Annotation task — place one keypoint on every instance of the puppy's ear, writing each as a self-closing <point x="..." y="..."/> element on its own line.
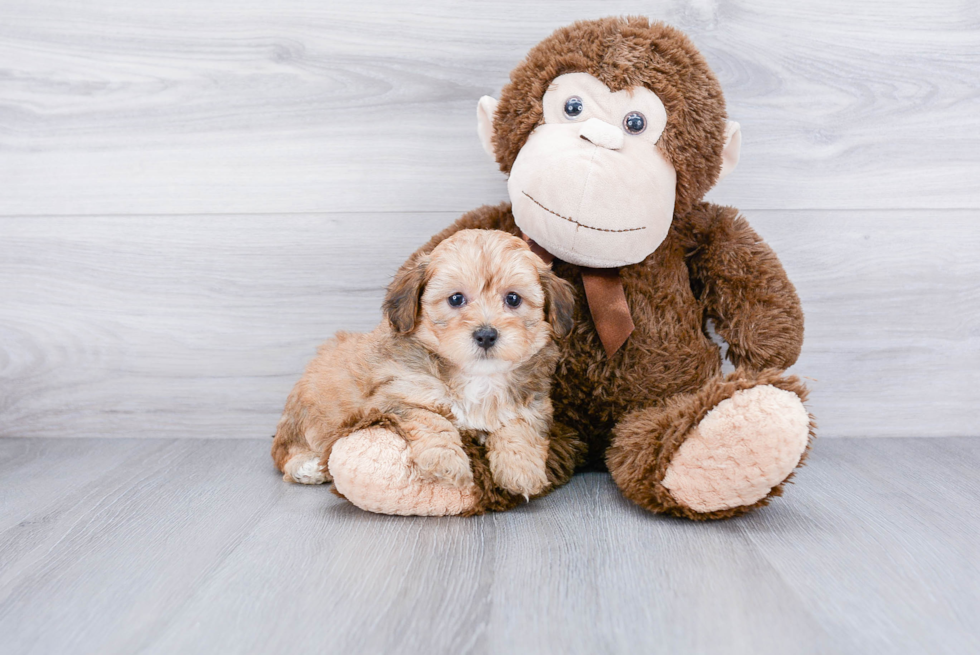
<point x="559" y="302"/>
<point x="403" y="302"/>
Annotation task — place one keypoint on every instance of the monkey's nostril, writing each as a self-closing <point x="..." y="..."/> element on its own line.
<point x="485" y="337"/>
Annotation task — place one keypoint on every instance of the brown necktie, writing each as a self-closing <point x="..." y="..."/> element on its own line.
<point x="607" y="301"/>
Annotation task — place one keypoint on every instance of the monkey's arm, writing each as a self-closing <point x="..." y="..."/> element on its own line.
<point x="745" y="289"/>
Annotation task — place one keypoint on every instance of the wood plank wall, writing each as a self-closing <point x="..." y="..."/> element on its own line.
<point x="194" y="193"/>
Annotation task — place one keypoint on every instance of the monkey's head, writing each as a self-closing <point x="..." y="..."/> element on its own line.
<point x="607" y="129"/>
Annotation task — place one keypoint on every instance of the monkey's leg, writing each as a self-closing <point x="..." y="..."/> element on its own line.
<point x="372" y="468"/>
<point x="715" y="453"/>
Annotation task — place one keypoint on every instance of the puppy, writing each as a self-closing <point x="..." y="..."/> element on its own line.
<point x="467" y="345"/>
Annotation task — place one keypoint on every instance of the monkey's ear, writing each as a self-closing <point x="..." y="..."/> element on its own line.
<point x="733" y="146"/>
<point x="559" y="302"/>
<point x="484" y="123"/>
<point x="403" y="302"/>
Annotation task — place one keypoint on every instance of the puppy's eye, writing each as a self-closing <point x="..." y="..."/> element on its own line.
<point x="513" y="300"/>
<point x="456" y="300"/>
<point x="574" y="107"/>
<point x="635" y="122"/>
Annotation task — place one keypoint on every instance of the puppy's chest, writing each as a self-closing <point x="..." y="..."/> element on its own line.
<point x="482" y="402"/>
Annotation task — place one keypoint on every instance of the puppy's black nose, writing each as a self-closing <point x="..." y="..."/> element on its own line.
<point x="485" y="337"/>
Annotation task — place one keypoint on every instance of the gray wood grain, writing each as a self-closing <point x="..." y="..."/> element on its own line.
<point x="912" y="503"/>
<point x="198" y="546"/>
<point x="199" y="326"/>
<point x="310" y="106"/>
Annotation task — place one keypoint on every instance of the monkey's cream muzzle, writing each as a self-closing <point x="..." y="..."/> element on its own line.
<point x="588" y="204"/>
<point x="587" y="190"/>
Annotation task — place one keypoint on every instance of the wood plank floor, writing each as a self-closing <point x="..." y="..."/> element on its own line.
<point x="196" y="545"/>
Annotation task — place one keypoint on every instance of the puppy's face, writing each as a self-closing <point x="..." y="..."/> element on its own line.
<point x="482" y="300"/>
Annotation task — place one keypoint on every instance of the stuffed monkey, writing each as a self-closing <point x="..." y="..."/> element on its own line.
<point x="611" y="132"/>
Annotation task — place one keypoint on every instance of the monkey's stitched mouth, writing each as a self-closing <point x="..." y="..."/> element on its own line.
<point x="572" y="220"/>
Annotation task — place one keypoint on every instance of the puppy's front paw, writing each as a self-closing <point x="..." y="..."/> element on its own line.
<point x="447" y="465"/>
<point x="521" y="472"/>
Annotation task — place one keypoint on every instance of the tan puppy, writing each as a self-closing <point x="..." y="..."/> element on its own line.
<point x="467" y="345"/>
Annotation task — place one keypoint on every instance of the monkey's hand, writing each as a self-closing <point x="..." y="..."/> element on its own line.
<point x="744" y="287"/>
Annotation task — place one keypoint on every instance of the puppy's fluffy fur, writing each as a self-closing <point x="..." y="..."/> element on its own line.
<point x="423" y="374"/>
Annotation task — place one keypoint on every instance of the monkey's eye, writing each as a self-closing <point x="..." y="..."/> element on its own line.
<point x="574" y="107"/>
<point x="513" y="300"/>
<point x="456" y="300"/>
<point x="635" y="122"/>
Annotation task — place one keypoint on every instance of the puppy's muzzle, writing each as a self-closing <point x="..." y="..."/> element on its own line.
<point x="485" y="337"/>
